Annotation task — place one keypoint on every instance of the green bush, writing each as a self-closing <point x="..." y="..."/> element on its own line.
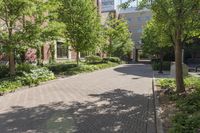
<point x="9" y="85"/>
<point x="166" y="65"/>
<point x="25" y="67"/>
<point x="187" y="120"/>
<point x="192" y="83"/>
<point x="59" y="68"/>
<point x="167" y="83"/>
<point x="88" y="68"/>
<point x="4" y="71"/>
<point x="112" y="59"/>
<point x="36" y="76"/>
<point x="93" y="59"/>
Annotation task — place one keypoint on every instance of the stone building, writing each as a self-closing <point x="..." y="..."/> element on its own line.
<point x="136" y="20"/>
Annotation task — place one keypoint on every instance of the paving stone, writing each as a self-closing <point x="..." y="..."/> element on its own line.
<point x="116" y="100"/>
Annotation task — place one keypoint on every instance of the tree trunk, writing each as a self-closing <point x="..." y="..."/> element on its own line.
<point x="12" y="62"/>
<point x="23" y="56"/>
<point x="11" y="55"/>
<point x="179" y="68"/>
<point x="77" y="58"/>
<point x="161" y="62"/>
<point x="110" y="47"/>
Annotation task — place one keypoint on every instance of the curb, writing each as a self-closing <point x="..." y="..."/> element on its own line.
<point x="158" y="121"/>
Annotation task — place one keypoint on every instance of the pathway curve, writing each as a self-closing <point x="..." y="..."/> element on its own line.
<point x="116" y="100"/>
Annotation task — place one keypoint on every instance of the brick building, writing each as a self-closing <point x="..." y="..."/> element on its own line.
<point x="62" y="52"/>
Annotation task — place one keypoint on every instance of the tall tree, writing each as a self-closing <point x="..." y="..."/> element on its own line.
<point x="23" y="24"/>
<point x="182" y="18"/>
<point x="82" y="24"/>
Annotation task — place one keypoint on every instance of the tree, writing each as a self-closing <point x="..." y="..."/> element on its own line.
<point x="23" y="25"/>
<point x="82" y="24"/>
<point x="181" y="17"/>
<point x="120" y="42"/>
<point x="155" y="41"/>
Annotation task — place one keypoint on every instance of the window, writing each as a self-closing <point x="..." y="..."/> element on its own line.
<point x="62" y="50"/>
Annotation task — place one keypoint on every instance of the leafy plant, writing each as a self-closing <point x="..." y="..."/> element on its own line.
<point x="112" y="59"/>
<point x="4" y="71"/>
<point x="93" y="59"/>
<point x="166" y="65"/>
<point x="187" y="120"/>
<point x="36" y="76"/>
<point x="9" y="85"/>
<point x="25" y="67"/>
<point x="167" y="83"/>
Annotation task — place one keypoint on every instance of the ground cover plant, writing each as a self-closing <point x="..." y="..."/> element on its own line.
<point x="26" y="75"/>
<point x="30" y="75"/>
<point x="186" y="118"/>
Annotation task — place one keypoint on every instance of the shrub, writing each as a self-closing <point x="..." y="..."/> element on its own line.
<point x="192" y="83"/>
<point x="4" y="71"/>
<point x="25" y="67"/>
<point x="93" y="59"/>
<point x="156" y="65"/>
<point x="9" y="85"/>
<point x="88" y="68"/>
<point x="167" y="83"/>
<point x="112" y="59"/>
<point x="187" y="120"/>
<point x="59" y="68"/>
<point x="36" y="76"/>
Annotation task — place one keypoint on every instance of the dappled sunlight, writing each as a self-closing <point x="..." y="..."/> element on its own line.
<point x="113" y="111"/>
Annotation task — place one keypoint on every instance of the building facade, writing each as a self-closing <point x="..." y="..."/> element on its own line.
<point x="62" y="52"/>
<point x="136" y="19"/>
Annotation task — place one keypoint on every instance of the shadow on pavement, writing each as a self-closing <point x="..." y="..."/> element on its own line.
<point x="143" y="70"/>
<point x="115" y="111"/>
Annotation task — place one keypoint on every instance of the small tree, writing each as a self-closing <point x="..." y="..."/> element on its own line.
<point x="120" y="42"/>
<point x="82" y="24"/>
<point x="155" y="41"/>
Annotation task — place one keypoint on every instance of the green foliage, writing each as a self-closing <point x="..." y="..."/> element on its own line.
<point x="93" y="59"/>
<point x="155" y="39"/>
<point x="88" y="68"/>
<point x="59" y="68"/>
<point x="4" y="71"/>
<point x="82" y="24"/>
<point x="192" y="83"/>
<point x="27" y="75"/>
<point x="36" y="76"/>
<point x="25" y="67"/>
<point x="166" y="65"/>
<point x="72" y="69"/>
<point x="9" y="85"/>
<point x="166" y="83"/>
<point x="187" y="120"/>
<point x="112" y="59"/>
<point x="120" y="43"/>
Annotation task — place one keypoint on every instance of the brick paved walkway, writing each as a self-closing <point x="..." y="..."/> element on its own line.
<point x="116" y="100"/>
